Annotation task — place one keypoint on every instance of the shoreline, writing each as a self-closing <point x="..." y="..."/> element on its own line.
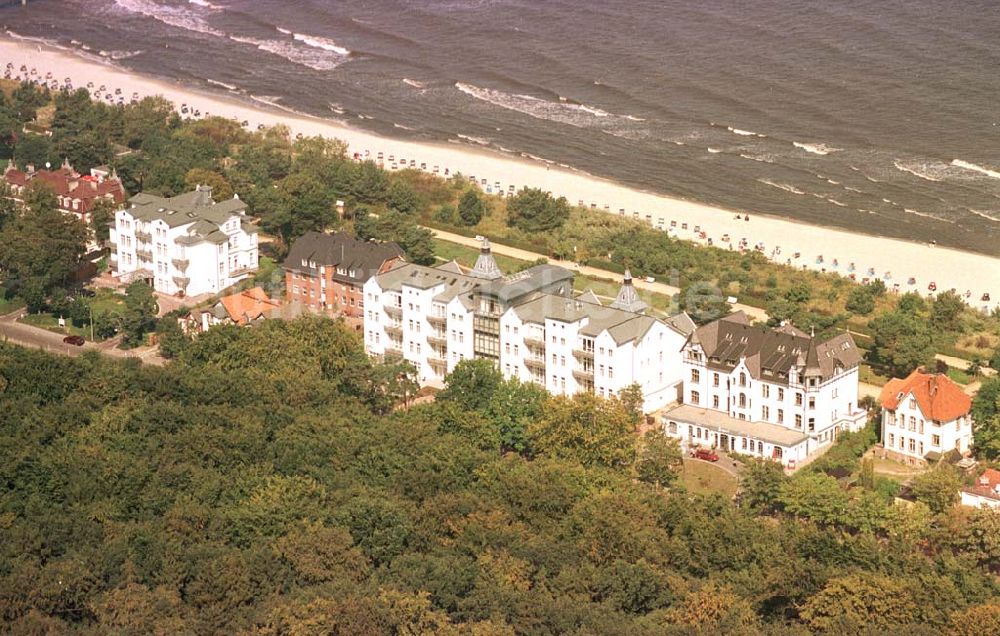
<point x="497" y="172"/>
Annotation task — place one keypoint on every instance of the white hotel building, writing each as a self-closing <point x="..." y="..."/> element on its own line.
<point x="530" y="324"/>
<point x="185" y="244"/>
<point x="774" y="393"/>
<point x="924" y="418"/>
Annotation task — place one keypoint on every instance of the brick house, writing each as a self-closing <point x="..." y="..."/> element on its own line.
<point x="327" y="272"/>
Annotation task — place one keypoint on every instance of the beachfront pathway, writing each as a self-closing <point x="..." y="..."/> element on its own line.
<point x="524" y="255"/>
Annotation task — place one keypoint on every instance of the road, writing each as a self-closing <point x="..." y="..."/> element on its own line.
<point x="35" y="337"/>
<point x="593" y="272"/>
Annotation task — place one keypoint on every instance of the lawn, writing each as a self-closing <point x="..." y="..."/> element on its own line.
<point x="51" y="323"/>
<point x="959" y="376"/>
<point x="104" y="301"/>
<point x="869" y="376"/>
<point x="466" y="256"/>
<point x="706" y="478"/>
<point x="7" y="305"/>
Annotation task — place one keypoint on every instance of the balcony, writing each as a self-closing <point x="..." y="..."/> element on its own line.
<point x="535" y="363"/>
<point x="143" y="237"/>
<point x="394" y="349"/>
<point x="438" y="339"/>
<point x="536" y="343"/>
<point x="395" y="311"/>
<point x="144" y="255"/>
<point x="582" y="354"/>
<point x="437" y="362"/>
<point x="434" y="319"/>
<point x="180" y="263"/>
<point x="394" y="329"/>
<point x="181" y="281"/>
<point x="585" y="375"/>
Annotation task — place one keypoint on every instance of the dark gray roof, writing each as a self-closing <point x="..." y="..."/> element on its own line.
<point x="771" y="353"/>
<point x="185" y="208"/>
<point x="423" y="277"/>
<point x="341" y="250"/>
<point x="535" y="279"/>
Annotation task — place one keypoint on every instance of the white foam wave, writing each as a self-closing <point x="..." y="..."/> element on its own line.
<point x="986" y="215"/>
<point x="836" y="202"/>
<point x="758" y="158"/>
<point x="317" y="42"/>
<point x="714" y="151"/>
<point x="579" y="115"/>
<point x="744" y="133"/>
<point x="476" y="140"/>
<point x="229" y="87"/>
<point x="781" y="186"/>
<point x="402" y="127"/>
<point x="171" y="15"/>
<point x="119" y="55"/>
<point x="414" y="83"/>
<point x="832" y="182"/>
<point x="816" y="149"/>
<point x="314" y="59"/>
<point x="919" y="171"/>
<point x="958" y="163"/>
<point x="849" y="188"/>
<point x="206" y="4"/>
<point x="634" y="118"/>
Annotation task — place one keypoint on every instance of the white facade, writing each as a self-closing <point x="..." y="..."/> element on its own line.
<point x="568" y="345"/>
<point x="925" y="414"/>
<point x="785" y="411"/>
<point x="184" y="244"/>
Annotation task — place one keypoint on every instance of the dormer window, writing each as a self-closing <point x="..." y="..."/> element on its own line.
<point x="305" y="263"/>
<point x="913" y="403"/>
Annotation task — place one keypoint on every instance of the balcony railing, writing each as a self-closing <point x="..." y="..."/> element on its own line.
<point x="394" y="329"/>
<point x="535" y="363"/>
<point x="181" y="281"/>
<point x="144" y="255"/>
<point x="537" y="343"/>
<point x="394" y="349"/>
<point x="584" y="374"/>
<point x="394" y="310"/>
<point x="240" y="271"/>
<point x="144" y="237"/>
<point x="437" y="362"/>
<point x="583" y="354"/>
<point x="434" y="319"/>
<point x="181" y="263"/>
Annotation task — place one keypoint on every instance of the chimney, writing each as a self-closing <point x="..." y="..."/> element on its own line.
<point x="29" y="169"/>
<point x="204" y="195"/>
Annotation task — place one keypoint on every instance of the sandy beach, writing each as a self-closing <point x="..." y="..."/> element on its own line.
<point x="895" y="261"/>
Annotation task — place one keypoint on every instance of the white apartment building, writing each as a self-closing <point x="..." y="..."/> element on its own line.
<point x="185" y="245"/>
<point x="530" y="324"/>
<point x="775" y="393"/>
<point x="924" y="417"/>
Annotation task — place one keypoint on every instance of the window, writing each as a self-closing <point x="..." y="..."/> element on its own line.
<point x="781" y="416"/>
<point x="767" y="413"/>
<point x="766" y="391"/>
<point x="913" y="403"/>
<point x="715" y="401"/>
<point x="798" y="399"/>
<point x="913" y="423"/>
<point x="781" y="393"/>
<point x="812" y="402"/>
<point x="798" y="421"/>
<point x="892" y="439"/>
<point x="695" y="375"/>
<point x="921" y="427"/>
<point x="935" y="440"/>
<point x="913" y="445"/>
<point x="715" y="379"/>
<point x="743" y="379"/>
<point x="812" y="424"/>
<point x="743" y="401"/>
<point x="695" y="397"/>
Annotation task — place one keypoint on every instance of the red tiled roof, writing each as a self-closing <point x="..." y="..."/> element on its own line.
<point x="249" y="305"/>
<point x="66" y="182"/>
<point x="939" y="398"/>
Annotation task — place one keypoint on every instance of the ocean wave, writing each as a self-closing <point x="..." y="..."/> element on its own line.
<point x="850" y="189"/>
<point x="119" y="55"/>
<point x="836" y="202"/>
<point x="317" y="42"/>
<point x="229" y="87"/>
<point x="336" y="108"/>
<point x="206" y="4"/>
<point x="714" y="151"/>
<point x="986" y="215"/>
<point x="402" y="127"/>
<point x="744" y="133"/>
<point x="927" y="215"/>
<point x="315" y="59"/>
<point x="758" y="158"/>
<point x="414" y="83"/>
<point x="170" y="15"/>
<point x="564" y="112"/>
<point x="476" y="140"/>
<point x="920" y="171"/>
<point x="958" y="163"/>
<point x="816" y="149"/>
<point x="781" y="186"/>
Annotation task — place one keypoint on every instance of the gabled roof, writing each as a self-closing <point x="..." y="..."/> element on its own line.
<point x="249" y="305"/>
<point x="363" y="258"/>
<point x="939" y="399"/>
<point x="186" y="208"/>
<point x="771" y="353"/>
<point x="67" y="182"/>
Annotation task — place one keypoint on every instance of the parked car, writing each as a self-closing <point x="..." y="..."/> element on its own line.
<point x="707" y="454"/>
<point x="76" y="341"/>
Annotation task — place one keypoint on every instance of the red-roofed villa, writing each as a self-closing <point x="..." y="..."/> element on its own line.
<point x="924" y="418"/>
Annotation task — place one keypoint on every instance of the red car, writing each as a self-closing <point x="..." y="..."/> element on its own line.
<point x="707" y="454"/>
<point x="74" y="340"/>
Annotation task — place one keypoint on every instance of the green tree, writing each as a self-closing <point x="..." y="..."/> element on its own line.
<point x="471" y="384"/>
<point x="986" y="416"/>
<point x="946" y="311"/>
<point x="139" y="316"/>
<point x="976" y="620"/>
<point x="851" y="603"/>
<point x="511" y="408"/>
<point x="938" y="488"/>
<point x="860" y="301"/>
<point x="172" y="338"/>
<point x="471" y="208"/>
<point x="102" y="216"/>
<point x="587" y="428"/>
<point x="659" y="459"/>
<point x="814" y="496"/>
<point x="402" y="197"/>
<point x="901" y="342"/>
<point x="534" y="210"/>
<point x="760" y="484"/>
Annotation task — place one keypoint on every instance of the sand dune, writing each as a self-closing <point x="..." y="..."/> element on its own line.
<point x="948" y="268"/>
